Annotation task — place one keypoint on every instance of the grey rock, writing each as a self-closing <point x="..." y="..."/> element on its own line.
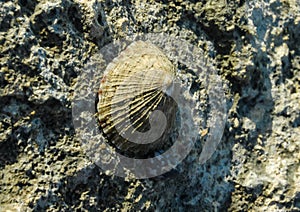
<point x="255" y="47"/>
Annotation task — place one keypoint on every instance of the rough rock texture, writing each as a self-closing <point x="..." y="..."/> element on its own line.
<point x="43" y="48"/>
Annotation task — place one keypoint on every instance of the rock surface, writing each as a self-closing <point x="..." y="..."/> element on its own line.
<point x="45" y="44"/>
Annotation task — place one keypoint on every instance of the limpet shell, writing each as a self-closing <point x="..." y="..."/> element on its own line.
<point x="134" y="85"/>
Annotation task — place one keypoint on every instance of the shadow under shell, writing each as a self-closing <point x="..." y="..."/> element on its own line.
<point x="142" y="151"/>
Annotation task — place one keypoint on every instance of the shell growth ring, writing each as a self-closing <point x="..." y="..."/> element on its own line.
<point x="140" y="104"/>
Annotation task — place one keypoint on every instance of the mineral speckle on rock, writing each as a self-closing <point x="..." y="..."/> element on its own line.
<point x="256" y="50"/>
